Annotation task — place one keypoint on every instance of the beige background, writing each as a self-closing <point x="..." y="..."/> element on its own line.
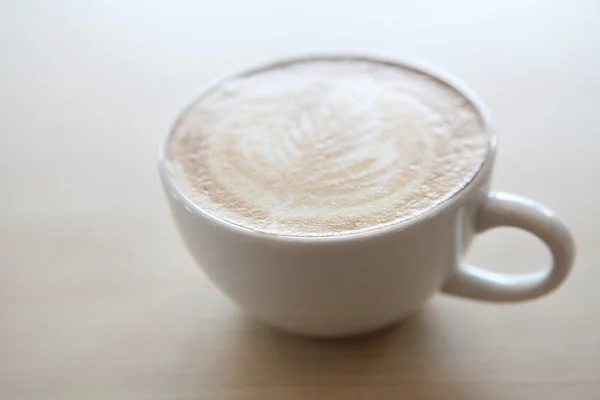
<point x="98" y="298"/>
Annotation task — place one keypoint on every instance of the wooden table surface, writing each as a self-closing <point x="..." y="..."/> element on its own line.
<point x="98" y="297"/>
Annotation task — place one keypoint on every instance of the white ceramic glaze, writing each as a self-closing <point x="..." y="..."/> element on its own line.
<point x="347" y="285"/>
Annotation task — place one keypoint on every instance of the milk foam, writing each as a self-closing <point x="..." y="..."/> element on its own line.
<point x="326" y="148"/>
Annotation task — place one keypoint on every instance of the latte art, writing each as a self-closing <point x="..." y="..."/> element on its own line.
<point x="323" y="148"/>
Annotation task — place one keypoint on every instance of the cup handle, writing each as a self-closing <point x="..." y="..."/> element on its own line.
<point x="504" y="209"/>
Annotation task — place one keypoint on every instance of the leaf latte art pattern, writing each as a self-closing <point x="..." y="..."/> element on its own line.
<point x="325" y="148"/>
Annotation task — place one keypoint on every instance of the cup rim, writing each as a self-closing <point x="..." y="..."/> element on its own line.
<point x="177" y="194"/>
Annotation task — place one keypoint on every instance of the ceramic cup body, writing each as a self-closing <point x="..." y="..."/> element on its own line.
<point x="352" y="284"/>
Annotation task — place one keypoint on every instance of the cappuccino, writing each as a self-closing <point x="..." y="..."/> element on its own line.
<point x="326" y="147"/>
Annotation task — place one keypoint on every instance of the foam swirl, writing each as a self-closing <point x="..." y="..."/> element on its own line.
<point x="326" y="148"/>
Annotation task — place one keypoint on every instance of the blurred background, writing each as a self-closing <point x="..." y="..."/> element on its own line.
<point x="97" y="294"/>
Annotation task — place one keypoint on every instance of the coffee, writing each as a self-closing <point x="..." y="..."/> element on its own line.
<point x="326" y="147"/>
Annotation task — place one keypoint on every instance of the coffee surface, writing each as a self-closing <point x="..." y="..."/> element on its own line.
<point x="326" y="147"/>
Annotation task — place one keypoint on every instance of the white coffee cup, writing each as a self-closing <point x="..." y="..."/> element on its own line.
<point x="353" y="284"/>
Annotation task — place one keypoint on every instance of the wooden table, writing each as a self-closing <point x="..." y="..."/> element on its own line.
<point x="98" y="298"/>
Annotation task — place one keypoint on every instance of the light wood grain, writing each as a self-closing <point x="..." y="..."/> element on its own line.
<point x="98" y="298"/>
